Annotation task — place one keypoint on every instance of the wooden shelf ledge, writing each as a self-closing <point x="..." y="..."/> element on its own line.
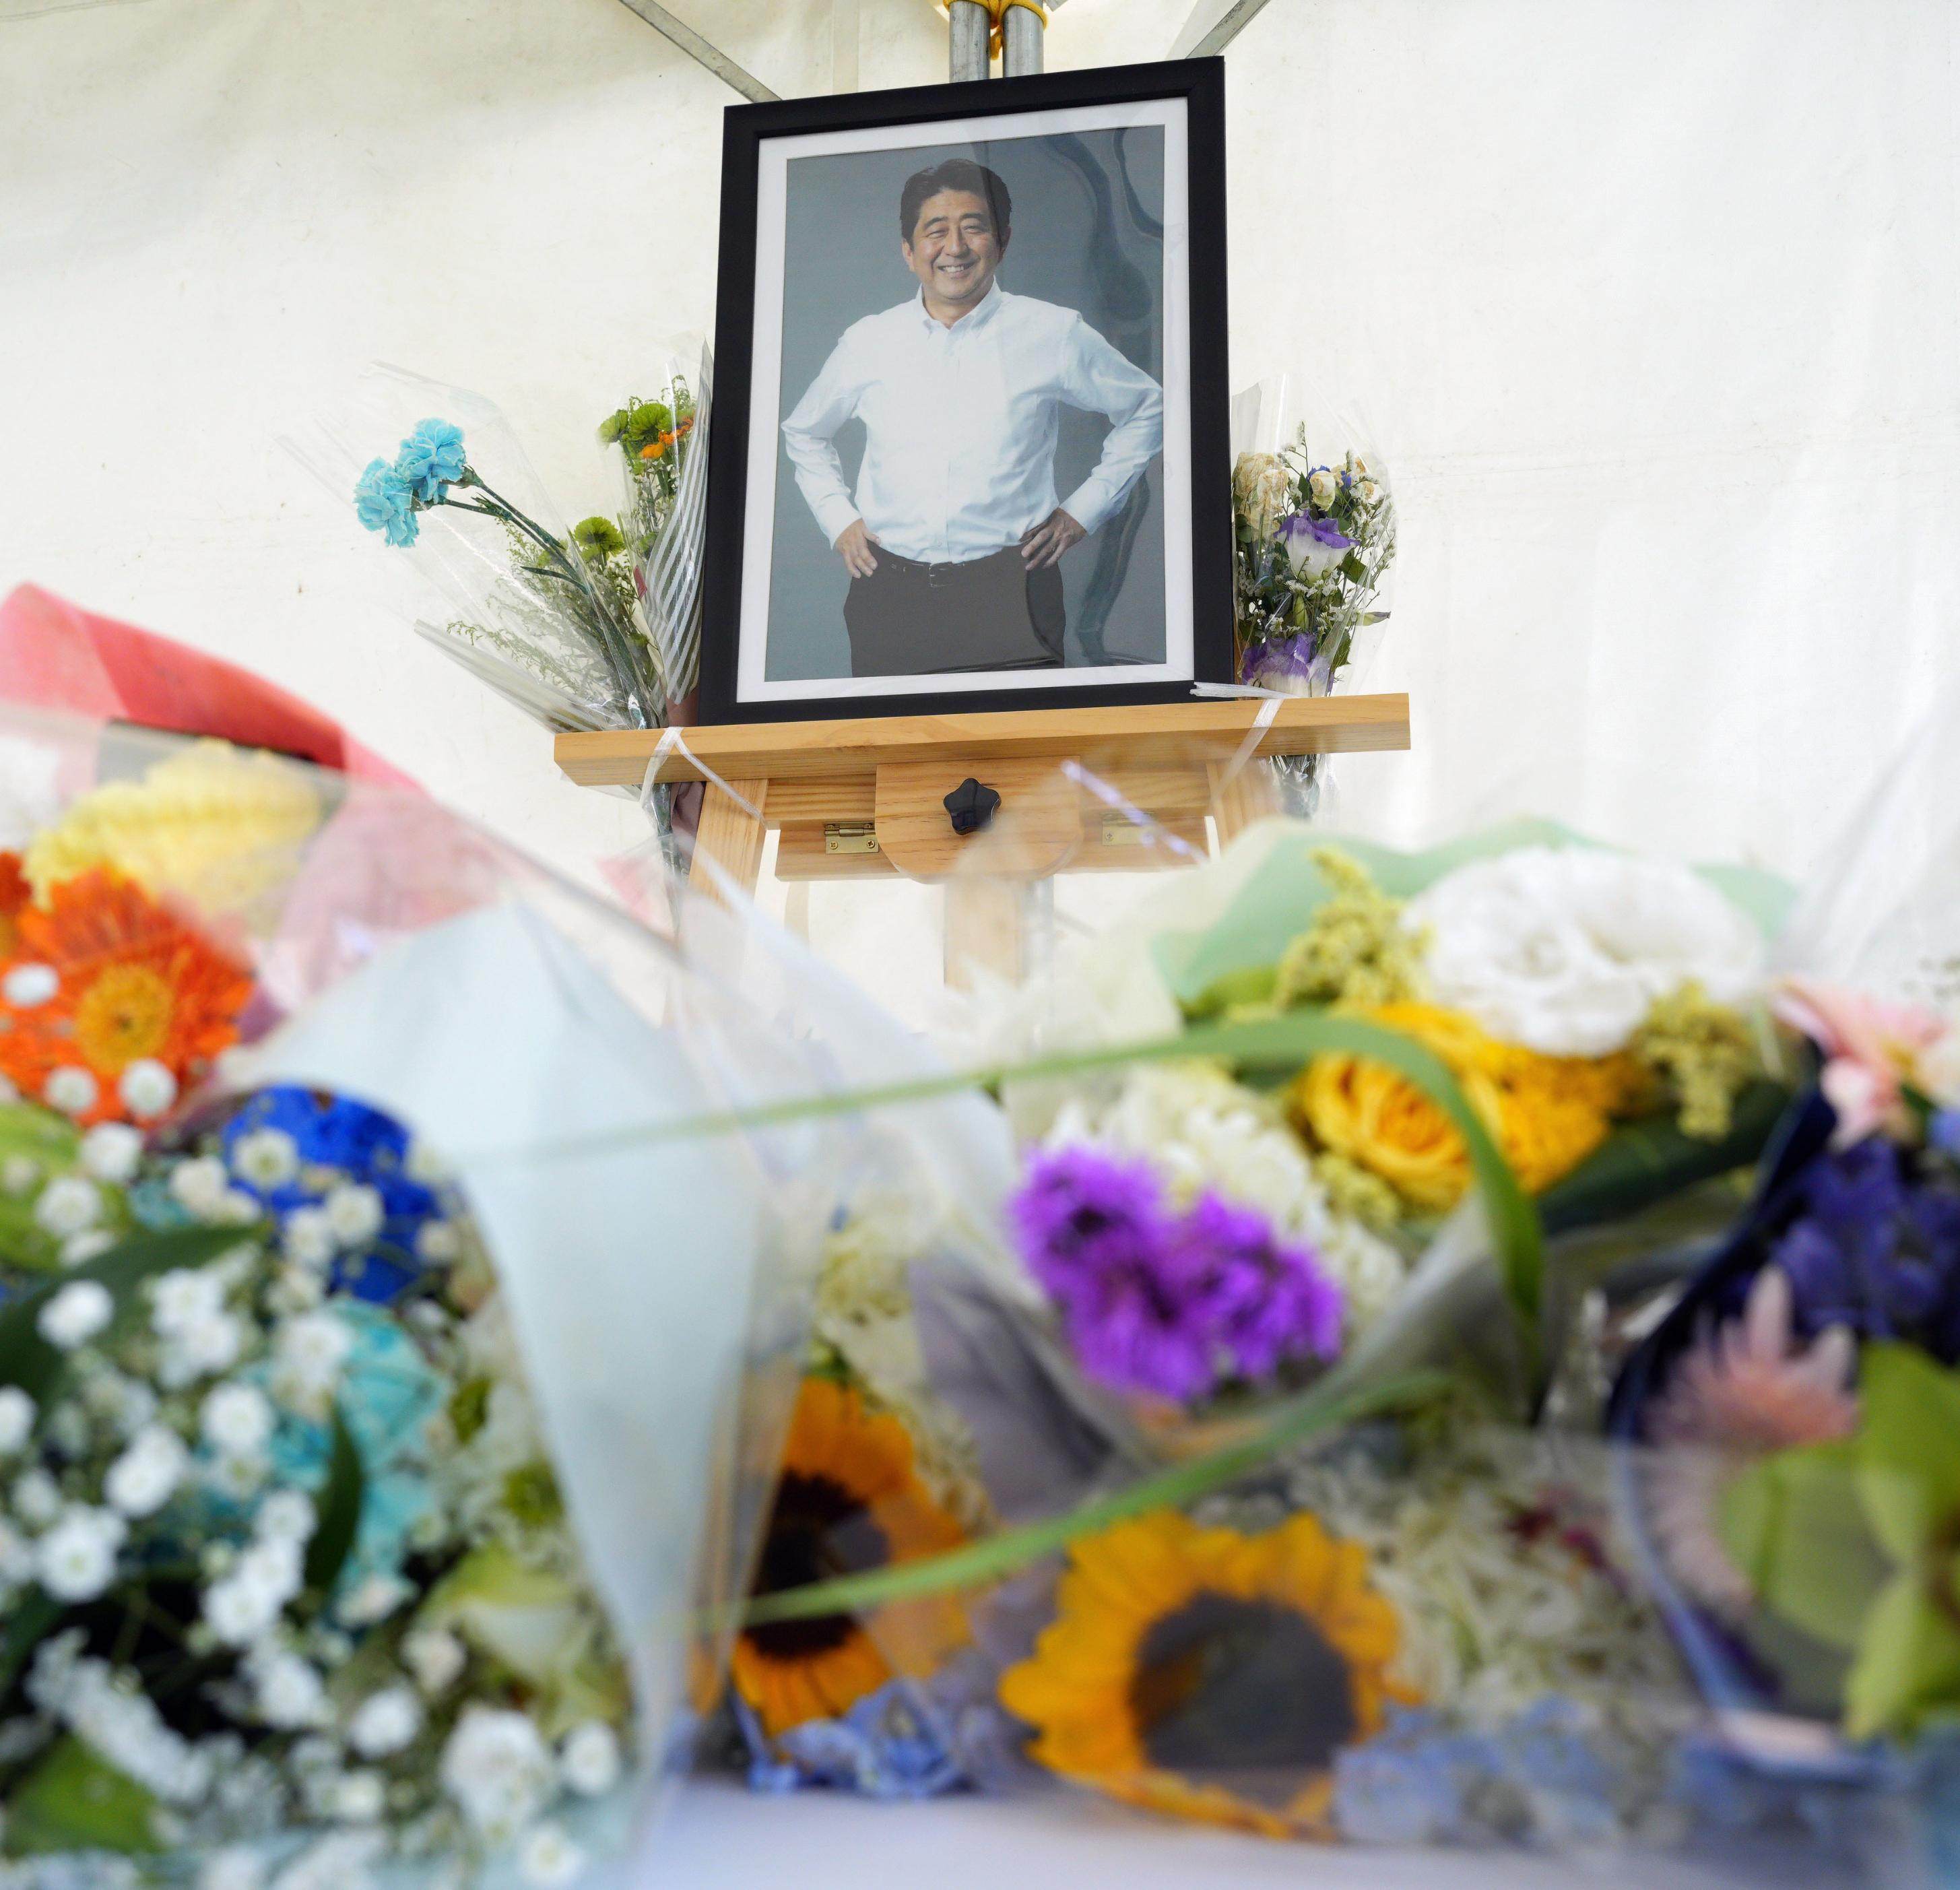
<point x="1153" y="734"/>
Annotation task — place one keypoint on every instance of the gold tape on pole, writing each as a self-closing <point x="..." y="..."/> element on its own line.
<point x="997" y="11"/>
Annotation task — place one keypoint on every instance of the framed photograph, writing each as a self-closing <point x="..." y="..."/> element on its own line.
<point x="969" y="441"/>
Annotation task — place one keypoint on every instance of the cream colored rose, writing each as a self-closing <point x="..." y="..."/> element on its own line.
<point x="1259" y="490"/>
<point x="1323" y="487"/>
<point x="1367" y="491"/>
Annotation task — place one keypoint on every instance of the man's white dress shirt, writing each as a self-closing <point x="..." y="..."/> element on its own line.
<point x="961" y="422"/>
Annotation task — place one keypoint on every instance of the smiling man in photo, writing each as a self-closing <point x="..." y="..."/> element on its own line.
<point x="954" y="536"/>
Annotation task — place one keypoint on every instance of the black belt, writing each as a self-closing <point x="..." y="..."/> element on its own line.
<point x="937" y="576"/>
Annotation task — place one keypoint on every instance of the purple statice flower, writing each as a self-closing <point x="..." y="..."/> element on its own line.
<point x="1876" y="1247"/>
<point x="1266" y="1299"/>
<point x="1163" y="1305"/>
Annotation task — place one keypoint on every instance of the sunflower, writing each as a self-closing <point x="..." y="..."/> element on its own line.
<point x="849" y="1499"/>
<point x="1210" y="1674"/>
<point x="102" y="976"/>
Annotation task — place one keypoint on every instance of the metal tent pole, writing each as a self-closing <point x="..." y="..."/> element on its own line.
<point x="969" y="26"/>
<point x="1023" y="40"/>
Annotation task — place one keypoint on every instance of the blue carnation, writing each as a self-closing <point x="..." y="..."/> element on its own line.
<point x="383" y="503"/>
<point x="431" y="460"/>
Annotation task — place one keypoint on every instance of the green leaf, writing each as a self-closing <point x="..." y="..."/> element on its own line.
<point x="73" y="1800"/>
<point x="26" y="1624"/>
<point x="338" y="1508"/>
<point x="1795" y="1526"/>
<point x="28" y="1360"/>
<point x="1285" y="1042"/>
<point x="1908" y="1663"/>
<point x="1642" y="1163"/>
<point x="1333" y="1402"/>
<point x="1909" y="1448"/>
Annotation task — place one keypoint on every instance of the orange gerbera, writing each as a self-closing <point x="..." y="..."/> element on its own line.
<point x="14" y="894"/>
<point x="849" y="1499"/>
<point x="103" y="976"/>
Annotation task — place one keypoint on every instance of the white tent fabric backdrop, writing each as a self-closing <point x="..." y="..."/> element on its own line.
<point x="1653" y="307"/>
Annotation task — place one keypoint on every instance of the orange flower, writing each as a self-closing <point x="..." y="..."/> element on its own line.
<point x="656" y="448"/>
<point x="849" y="1499"/>
<point x="102" y="977"/>
<point x="14" y="894"/>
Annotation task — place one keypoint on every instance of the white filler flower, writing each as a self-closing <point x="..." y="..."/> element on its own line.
<point x="69" y="1205"/>
<point x="147" y="1087"/>
<point x="17" y="1420"/>
<point x="589" y="1760"/>
<point x="237" y="1419"/>
<point x="355" y="1213"/>
<point x="75" y="1314"/>
<point x="76" y="1560"/>
<point x="497" y="1769"/>
<point x="1563" y="949"/>
<point x="111" y="1150"/>
<point x="385" y="1722"/>
<point x="266" y="1158"/>
<point x="146" y="1475"/>
<point x="548" y="1859"/>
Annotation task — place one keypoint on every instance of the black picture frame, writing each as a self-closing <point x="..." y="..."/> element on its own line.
<point x="1200" y="83"/>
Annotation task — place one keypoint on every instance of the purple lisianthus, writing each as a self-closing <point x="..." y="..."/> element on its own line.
<point x="1876" y="1247"/>
<point x="1168" y="1305"/>
<point x="1291" y="664"/>
<point x="1312" y="545"/>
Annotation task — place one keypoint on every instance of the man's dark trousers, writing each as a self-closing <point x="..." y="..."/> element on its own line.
<point x="910" y="619"/>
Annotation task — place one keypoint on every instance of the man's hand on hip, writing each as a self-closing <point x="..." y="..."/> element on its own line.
<point x="853" y="546"/>
<point x="1044" y="544"/>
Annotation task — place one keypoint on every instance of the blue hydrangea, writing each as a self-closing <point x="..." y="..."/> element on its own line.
<point x="383" y="503"/>
<point x="890" y="1744"/>
<point x="431" y="460"/>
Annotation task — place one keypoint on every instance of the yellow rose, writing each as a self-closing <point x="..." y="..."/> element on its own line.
<point x="1547" y="1114"/>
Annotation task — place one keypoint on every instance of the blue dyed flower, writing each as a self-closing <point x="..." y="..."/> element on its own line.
<point x="1876" y="1247"/>
<point x="889" y="1745"/>
<point x="431" y="460"/>
<point x="383" y="503"/>
<point x="339" y="1142"/>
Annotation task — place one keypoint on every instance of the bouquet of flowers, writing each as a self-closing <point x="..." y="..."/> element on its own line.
<point x="336" y="1535"/>
<point x="1246" y="1462"/>
<point x="1312" y="543"/>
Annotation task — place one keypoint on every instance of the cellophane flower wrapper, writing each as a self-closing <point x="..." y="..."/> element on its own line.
<point x="1375" y="1580"/>
<point x="388" y="1392"/>
<point x="1314" y="552"/>
<point x="558" y="632"/>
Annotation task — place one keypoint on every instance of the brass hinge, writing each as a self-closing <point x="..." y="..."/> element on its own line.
<point x="1119" y="830"/>
<point x="850" y="836"/>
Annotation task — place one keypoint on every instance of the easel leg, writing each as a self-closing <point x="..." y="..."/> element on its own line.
<point x="986" y="930"/>
<point x="731" y="836"/>
<point x="1237" y="802"/>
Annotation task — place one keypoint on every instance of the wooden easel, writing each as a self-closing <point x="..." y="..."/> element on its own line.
<point x="864" y="798"/>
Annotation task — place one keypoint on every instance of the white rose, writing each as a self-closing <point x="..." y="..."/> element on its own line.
<point x="68" y="1204"/>
<point x="1322" y="487"/>
<point x="147" y="1087"/>
<point x="75" y="1314"/>
<point x="17" y="1420"/>
<point x="145" y="1476"/>
<point x="237" y="1419"/>
<point x="385" y="1722"/>
<point x="1563" y="949"/>
<point x="356" y="1213"/>
<point x="76" y="1560"/>
<point x="70" y="1090"/>
<point x="111" y="1150"/>
<point x="589" y="1760"/>
<point x="265" y="1158"/>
